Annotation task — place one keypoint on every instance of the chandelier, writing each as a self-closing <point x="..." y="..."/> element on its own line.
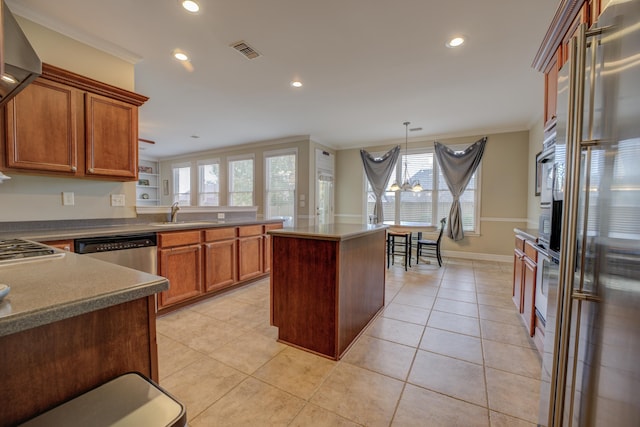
<point x="406" y="185"/>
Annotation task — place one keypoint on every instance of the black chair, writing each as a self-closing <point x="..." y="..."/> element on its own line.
<point x="432" y="247"/>
<point x="404" y="247"/>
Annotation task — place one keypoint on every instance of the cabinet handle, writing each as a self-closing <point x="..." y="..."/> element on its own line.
<point x="90" y="170"/>
<point x="73" y="168"/>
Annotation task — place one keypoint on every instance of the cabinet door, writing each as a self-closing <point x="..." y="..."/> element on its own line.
<point x="529" y="295"/>
<point x="220" y="264"/>
<point x="41" y="128"/>
<point x="181" y="265"/>
<point x="111" y="137"/>
<point x="551" y="88"/>
<point x="249" y="257"/>
<point x="267" y="253"/>
<point x="518" y="271"/>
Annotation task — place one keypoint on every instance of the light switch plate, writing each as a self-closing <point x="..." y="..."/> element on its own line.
<point x="68" y="198"/>
<point x="117" y="200"/>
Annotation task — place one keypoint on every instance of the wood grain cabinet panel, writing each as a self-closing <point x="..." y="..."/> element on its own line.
<point x="249" y="257"/>
<point x="182" y="265"/>
<point x="110" y="128"/>
<point x="220" y="264"/>
<point x="529" y="295"/>
<point x="67" y="124"/>
<point x="42" y="129"/>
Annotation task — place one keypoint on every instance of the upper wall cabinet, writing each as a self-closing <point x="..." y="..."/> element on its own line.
<point x="554" y="51"/>
<point x="67" y="124"/>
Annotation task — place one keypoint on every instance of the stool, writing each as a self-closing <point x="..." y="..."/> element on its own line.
<point x="128" y="400"/>
<point x="404" y="250"/>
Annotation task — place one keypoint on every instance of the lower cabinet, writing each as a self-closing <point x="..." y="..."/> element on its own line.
<point x="220" y="255"/>
<point x="250" y="249"/>
<point x="518" y="270"/>
<point x="524" y="281"/>
<point x="180" y="261"/>
<point x="201" y="262"/>
<point x="266" y="247"/>
<point x="529" y="287"/>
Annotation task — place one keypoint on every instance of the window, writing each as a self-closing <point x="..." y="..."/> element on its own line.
<point x="241" y="182"/>
<point x="209" y="182"/>
<point x="280" y="186"/>
<point x="431" y="204"/>
<point x="182" y="183"/>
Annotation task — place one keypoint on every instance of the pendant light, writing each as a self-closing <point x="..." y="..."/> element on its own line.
<point x="406" y="185"/>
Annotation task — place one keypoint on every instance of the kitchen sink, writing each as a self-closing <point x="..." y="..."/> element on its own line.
<point x="183" y="224"/>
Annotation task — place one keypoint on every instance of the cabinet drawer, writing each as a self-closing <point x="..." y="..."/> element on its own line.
<point x="219" y="234"/>
<point x="250" y="230"/>
<point x="520" y="243"/>
<point x="268" y="227"/>
<point x="180" y="238"/>
<point x="530" y="251"/>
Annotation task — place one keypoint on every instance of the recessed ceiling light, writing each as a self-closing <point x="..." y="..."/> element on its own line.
<point x="190" y="5"/>
<point x="296" y="83"/>
<point x="180" y="55"/>
<point x="456" y="41"/>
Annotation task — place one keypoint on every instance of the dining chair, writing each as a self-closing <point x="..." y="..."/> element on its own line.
<point x="432" y="247"/>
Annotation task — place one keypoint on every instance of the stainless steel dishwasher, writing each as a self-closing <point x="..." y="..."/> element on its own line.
<point x="137" y="251"/>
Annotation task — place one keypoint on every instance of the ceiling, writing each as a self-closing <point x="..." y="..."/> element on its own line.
<point x="367" y="66"/>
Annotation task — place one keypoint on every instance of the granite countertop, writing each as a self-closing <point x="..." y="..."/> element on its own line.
<point x="527" y="233"/>
<point x="71" y="232"/>
<point x="329" y="231"/>
<point x="47" y="290"/>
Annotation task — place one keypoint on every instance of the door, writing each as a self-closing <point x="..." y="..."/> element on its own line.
<point x="324" y="204"/>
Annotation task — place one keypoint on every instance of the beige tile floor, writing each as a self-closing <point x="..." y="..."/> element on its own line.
<point x="447" y="350"/>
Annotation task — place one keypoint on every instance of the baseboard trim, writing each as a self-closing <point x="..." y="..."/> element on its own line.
<point x="478" y="256"/>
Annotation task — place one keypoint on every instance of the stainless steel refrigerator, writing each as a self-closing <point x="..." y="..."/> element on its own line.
<point x="591" y="360"/>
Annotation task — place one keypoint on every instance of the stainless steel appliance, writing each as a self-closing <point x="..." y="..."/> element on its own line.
<point x="17" y="250"/>
<point x="137" y="251"/>
<point x="591" y="375"/>
<point x="22" y="64"/>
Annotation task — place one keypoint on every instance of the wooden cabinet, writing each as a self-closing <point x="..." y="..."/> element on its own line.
<point x="518" y="271"/>
<point x="250" y="249"/>
<point x="199" y="263"/>
<point x="525" y="261"/>
<point x="554" y="50"/>
<point x="530" y="263"/>
<point x="41" y="132"/>
<point x="67" y="124"/>
<point x="551" y="90"/>
<point x="267" y="249"/>
<point x="220" y="258"/>
<point x="180" y="261"/>
<point x="111" y="137"/>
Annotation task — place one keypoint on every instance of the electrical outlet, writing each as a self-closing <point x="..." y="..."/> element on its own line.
<point x="220" y="215"/>
<point x="68" y="198"/>
<point x="117" y="200"/>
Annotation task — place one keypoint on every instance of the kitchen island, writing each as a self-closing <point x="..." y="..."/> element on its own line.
<point x="327" y="284"/>
<point x="69" y="324"/>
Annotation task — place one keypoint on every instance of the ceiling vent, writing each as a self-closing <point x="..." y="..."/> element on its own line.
<point x="245" y="49"/>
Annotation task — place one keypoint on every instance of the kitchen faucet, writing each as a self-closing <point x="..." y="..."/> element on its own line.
<point x="174" y="212"/>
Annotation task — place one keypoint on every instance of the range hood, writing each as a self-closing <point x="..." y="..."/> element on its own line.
<point x="21" y="63"/>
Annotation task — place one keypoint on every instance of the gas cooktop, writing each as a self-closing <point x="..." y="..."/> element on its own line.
<point x="17" y="250"/>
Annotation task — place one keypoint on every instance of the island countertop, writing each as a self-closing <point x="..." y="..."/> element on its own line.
<point x="335" y="232"/>
<point x="45" y="291"/>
